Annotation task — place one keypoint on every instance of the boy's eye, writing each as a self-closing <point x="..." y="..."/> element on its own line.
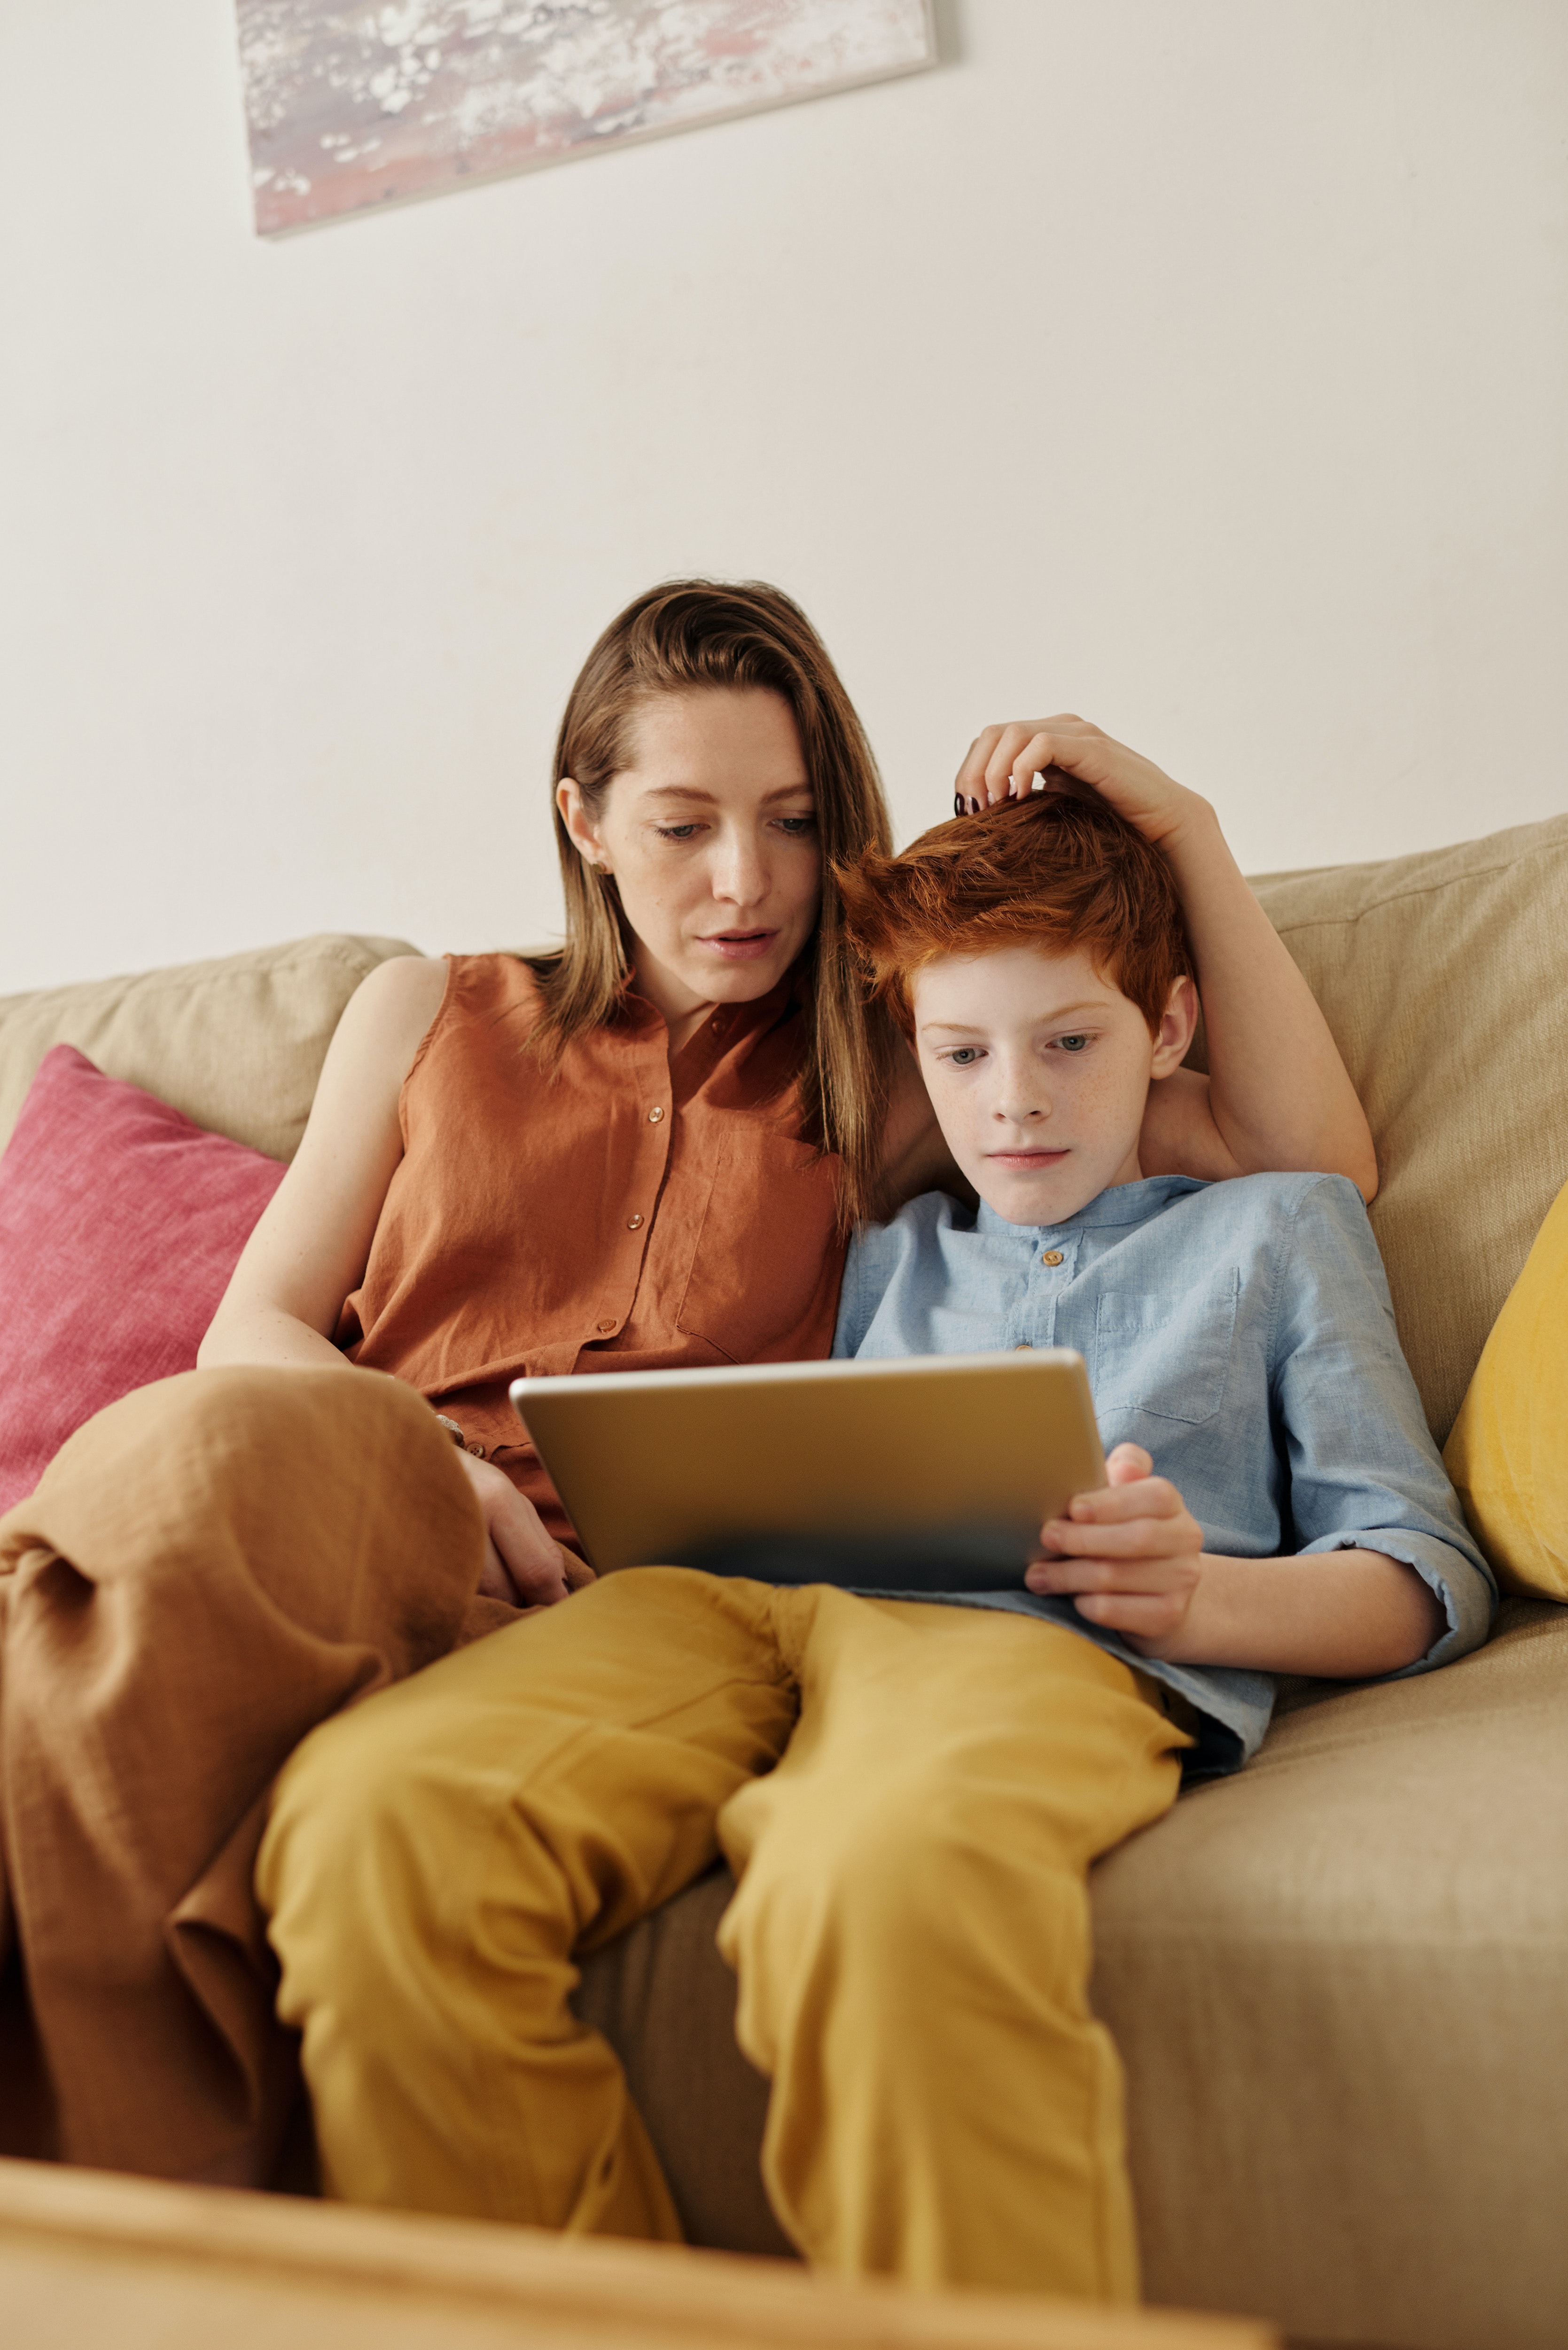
<point x="1071" y="1044"/>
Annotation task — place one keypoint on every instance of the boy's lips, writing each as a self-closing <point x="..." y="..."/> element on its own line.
<point x="739" y="946"/>
<point x="1027" y="1162"/>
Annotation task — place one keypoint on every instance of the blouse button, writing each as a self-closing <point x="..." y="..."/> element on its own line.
<point x="654" y="1114"/>
<point x="632" y="1222"/>
<point x="1025" y="1346"/>
<point x="1050" y="1256"/>
<point x="605" y="1328"/>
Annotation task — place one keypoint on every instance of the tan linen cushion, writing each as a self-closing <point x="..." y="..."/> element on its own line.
<point x="1444" y="977"/>
<point x="1339" y="1982"/>
<point x="237" y="1044"/>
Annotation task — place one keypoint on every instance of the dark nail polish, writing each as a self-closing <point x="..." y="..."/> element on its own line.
<point x="958" y="804"/>
<point x="974" y="807"/>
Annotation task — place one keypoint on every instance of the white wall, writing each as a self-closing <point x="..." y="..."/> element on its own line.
<point x="1196" y="364"/>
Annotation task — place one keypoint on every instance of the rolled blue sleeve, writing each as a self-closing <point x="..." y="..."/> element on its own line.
<point x="1365" y="1473"/>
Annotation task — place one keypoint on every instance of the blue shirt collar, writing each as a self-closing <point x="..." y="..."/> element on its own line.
<point x="1122" y="1204"/>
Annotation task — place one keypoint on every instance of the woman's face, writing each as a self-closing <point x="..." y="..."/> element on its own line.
<point x="711" y="833"/>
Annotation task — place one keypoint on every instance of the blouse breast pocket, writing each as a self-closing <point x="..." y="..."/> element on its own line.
<point x="764" y="1284"/>
<point x="1166" y="1352"/>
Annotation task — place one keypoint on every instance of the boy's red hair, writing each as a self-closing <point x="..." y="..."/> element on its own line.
<point x="1058" y="870"/>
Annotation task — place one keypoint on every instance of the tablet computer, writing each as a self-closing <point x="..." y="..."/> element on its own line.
<point x="933" y="1473"/>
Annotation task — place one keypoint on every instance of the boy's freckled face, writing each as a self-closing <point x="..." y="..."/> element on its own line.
<point x="1038" y="1067"/>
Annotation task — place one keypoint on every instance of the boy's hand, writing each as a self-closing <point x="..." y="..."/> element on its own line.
<point x="1004" y="761"/>
<point x="1130" y="1556"/>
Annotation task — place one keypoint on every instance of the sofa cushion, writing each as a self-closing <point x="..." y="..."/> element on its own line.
<point x="1339" y="1983"/>
<point x="120" y="1225"/>
<point x="665" y="2000"/>
<point x="1507" y="1452"/>
<point x="237" y="1044"/>
<point x="1444" y="978"/>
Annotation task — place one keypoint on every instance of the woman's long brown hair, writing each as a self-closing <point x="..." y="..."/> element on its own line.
<point x="686" y="637"/>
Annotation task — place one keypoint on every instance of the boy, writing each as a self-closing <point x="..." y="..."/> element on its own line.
<point x="910" y="1795"/>
<point x="1243" y="1331"/>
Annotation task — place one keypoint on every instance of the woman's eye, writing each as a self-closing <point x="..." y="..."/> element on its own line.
<point x="676" y="831"/>
<point x="795" y="828"/>
<point x="1071" y="1044"/>
<point x="964" y="1056"/>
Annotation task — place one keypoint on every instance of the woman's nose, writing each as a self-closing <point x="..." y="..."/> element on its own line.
<point x="740" y="875"/>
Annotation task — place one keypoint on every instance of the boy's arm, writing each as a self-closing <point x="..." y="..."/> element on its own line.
<point x="1350" y="1616"/>
<point x="1387" y="1576"/>
<point x="1132" y="1558"/>
<point x="1277" y="1098"/>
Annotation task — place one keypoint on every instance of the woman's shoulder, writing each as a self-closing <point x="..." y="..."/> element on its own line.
<point x="401" y="1008"/>
<point x="492" y="988"/>
<point x="403" y="982"/>
<point x="494" y="981"/>
<point x="391" y="1011"/>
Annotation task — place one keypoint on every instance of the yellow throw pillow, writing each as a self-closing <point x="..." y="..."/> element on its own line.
<point x="1507" y="1454"/>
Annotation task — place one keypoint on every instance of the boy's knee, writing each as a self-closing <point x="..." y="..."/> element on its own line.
<point x="885" y="1870"/>
<point x="360" y="1840"/>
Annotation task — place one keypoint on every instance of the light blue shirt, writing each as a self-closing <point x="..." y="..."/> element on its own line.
<point x="1242" y="1332"/>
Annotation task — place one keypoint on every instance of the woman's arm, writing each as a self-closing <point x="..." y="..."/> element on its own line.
<point x="1277" y="1098"/>
<point x="310" y="1248"/>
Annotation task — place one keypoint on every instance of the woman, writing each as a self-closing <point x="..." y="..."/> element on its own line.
<point x="644" y="1151"/>
<point x="775" y="1107"/>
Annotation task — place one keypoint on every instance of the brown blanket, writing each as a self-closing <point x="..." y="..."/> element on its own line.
<point x="206" y="1571"/>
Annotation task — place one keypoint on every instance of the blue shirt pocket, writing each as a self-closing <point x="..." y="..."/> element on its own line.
<point x="1166" y="1352"/>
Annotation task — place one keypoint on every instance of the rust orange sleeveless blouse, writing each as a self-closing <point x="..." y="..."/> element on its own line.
<point x="622" y="1215"/>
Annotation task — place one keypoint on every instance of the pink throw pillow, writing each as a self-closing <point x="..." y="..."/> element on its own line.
<point x="120" y="1225"/>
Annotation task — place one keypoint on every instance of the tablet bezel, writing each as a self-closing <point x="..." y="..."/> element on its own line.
<point x="914" y="1473"/>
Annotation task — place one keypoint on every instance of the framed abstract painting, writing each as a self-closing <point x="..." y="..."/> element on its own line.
<point x="353" y="106"/>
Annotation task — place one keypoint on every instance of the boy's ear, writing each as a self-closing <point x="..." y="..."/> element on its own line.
<point x="1176" y="1028"/>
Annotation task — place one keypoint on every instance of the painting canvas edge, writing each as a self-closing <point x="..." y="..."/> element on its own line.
<point x="286" y="230"/>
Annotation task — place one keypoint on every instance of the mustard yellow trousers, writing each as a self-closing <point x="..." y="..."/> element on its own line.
<point x="911" y="1797"/>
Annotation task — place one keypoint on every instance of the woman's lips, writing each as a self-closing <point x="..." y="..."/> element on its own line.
<point x="1027" y="1162"/>
<point x="739" y="946"/>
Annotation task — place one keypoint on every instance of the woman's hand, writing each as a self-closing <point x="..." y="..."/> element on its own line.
<point x="1130" y="1556"/>
<point x="523" y="1564"/>
<point x="1004" y="761"/>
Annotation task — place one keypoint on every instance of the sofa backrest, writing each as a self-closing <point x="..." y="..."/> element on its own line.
<point x="236" y="1045"/>
<point x="1444" y="978"/>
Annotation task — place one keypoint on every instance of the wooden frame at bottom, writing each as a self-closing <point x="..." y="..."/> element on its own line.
<point x="88" y="2257"/>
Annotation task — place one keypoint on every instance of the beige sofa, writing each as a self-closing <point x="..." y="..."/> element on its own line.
<point x="1340" y="1982"/>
